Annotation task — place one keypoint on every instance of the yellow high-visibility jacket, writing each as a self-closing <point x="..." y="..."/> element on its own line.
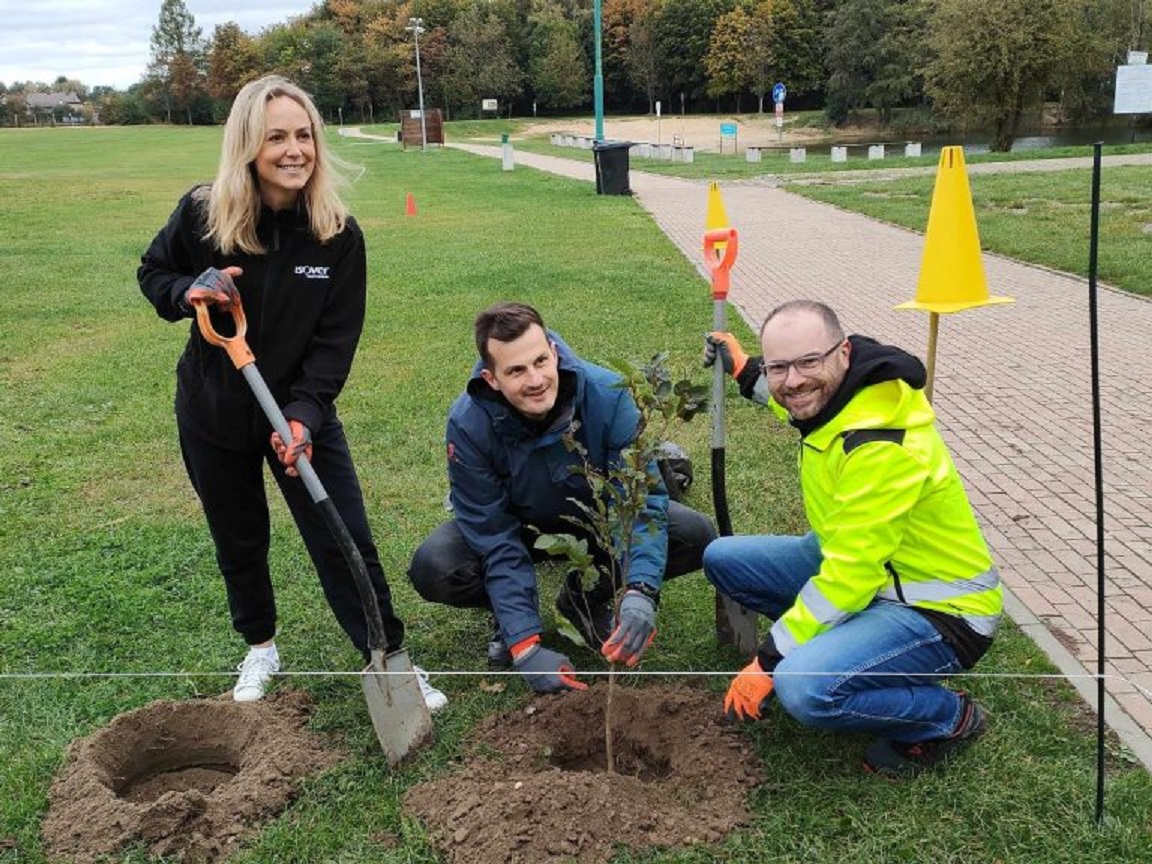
<point x="893" y="520"/>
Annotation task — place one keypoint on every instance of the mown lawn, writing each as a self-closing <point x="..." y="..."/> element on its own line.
<point x="107" y="574"/>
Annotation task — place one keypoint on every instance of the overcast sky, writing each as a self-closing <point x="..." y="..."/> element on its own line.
<point x="107" y="41"/>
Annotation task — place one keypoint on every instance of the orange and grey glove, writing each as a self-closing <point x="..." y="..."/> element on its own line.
<point x="301" y="443"/>
<point x="635" y="627"/>
<point x="214" y="287"/>
<point x="749" y="692"/>
<point x="546" y="671"/>
<point x="724" y="344"/>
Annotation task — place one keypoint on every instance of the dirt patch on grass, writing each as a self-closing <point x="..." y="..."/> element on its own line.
<point x="535" y="787"/>
<point x="187" y="778"/>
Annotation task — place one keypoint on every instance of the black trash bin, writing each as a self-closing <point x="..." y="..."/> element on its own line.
<point x="611" y="167"/>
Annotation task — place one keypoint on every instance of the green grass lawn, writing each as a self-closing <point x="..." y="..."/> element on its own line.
<point x="106" y="567"/>
<point x="1040" y="217"/>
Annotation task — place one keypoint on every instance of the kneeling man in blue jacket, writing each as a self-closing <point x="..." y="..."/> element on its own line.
<point x="509" y="472"/>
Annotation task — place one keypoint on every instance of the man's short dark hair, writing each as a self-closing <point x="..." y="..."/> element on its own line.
<point x="831" y="322"/>
<point x="504" y="322"/>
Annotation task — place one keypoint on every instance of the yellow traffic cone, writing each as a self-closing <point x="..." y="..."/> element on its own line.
<point x="716" y="217"/>
<point x="951" y="271"/>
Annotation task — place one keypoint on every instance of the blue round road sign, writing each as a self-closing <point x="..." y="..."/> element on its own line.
<point x="779" y="91"/>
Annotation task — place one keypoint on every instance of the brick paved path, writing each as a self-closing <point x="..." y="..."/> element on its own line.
<point x="1013" y="395"/>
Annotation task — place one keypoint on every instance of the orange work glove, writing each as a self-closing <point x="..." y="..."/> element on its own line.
<point x="725" y="345"/>
<point x="749" y="693"/>
<point x="545" y="670"/>
<point x="289" y="453"/>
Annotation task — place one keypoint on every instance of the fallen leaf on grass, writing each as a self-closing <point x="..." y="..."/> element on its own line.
<point x="491" y="687"/>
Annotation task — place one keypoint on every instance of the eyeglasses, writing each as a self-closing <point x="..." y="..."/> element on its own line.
<point x="809" y="364"/>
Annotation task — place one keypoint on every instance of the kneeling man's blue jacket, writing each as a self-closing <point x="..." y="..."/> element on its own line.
<point x="505" y="472"/>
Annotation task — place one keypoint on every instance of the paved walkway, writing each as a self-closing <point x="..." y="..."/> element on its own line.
<point x="1013" y="395"/>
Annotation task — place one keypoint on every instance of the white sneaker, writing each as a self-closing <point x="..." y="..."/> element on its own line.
<point x="433" y="698"/>
<point x="255" y="673"/>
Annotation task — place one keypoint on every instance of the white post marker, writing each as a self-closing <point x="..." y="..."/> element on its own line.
<point x="657" y="121"/>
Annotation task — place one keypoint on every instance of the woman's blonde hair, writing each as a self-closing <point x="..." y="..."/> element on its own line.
<point x="234" y="200"/>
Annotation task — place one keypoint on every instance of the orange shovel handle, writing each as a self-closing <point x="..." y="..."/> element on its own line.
<point x="236" y="346"/>
<point x="720" y="265"/>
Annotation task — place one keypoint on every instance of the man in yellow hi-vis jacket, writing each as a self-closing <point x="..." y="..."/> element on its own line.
<point x="893" y="588"/>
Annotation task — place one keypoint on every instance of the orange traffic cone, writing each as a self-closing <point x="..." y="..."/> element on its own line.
<point x="410" y="205"/>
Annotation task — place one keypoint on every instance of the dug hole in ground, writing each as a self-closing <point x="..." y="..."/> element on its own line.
<point x="196" y="778"/>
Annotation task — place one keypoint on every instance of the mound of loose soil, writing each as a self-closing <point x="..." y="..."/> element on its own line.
<point x="536" y="788"/>
<point x="192" y="778"/>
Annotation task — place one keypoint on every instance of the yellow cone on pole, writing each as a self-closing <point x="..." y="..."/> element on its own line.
<point x="951" y="271"/>
<point x="716" y="216"/>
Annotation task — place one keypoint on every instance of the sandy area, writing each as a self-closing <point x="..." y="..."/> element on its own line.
<point x="703" y="133"/>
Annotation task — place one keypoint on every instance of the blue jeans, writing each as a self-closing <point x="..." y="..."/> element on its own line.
<point x="876" y="672"/>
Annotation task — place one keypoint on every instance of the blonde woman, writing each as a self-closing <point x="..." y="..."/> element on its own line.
<point x="273" y="229"/>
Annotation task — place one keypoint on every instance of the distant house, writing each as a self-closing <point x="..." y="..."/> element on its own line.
<point x="66" y="106"/>
<point x="50" y="101"/>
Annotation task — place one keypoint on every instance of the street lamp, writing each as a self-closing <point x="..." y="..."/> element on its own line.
<point x="597" y="75"/>
<point x="416" y="25"/>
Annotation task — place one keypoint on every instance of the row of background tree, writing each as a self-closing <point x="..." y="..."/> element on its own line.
<point x="984" y="63"/>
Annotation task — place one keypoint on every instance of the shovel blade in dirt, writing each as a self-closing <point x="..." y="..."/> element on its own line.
<point x="395" y="703"/>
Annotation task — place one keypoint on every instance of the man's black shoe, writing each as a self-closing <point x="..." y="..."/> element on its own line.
<point x="898" y="760"/>
<point x="591" y="619"/>
<point x="499" y="657"/>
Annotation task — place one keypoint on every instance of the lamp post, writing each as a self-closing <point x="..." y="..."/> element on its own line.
<point x="416" y="25"/>
<point x="598" y="76"/>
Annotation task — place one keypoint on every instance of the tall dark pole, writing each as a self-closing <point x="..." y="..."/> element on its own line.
<point x="1094" y="332"/>
<point x="598" y="75"/>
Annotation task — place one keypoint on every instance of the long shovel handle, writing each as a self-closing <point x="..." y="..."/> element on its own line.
<point x="244" y="360"/>
<point x="735" y="625"/>
<point x="719" y="262"/>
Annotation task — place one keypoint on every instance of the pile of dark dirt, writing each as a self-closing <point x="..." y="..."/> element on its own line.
<point x="191" y="778"/>
<point x="535" y="787"/>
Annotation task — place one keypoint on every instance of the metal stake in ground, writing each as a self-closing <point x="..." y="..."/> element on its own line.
<point x="735" y="625"/>
<point x="395" y="703"/>
<point x="1097" y="449"/>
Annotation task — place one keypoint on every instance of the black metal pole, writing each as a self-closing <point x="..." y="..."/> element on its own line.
<point x="1094" y="331"/>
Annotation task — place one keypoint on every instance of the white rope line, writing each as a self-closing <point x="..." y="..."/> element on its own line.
<point x="631" y="673"/>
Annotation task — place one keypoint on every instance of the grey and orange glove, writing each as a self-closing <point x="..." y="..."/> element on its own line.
<point x="749" y="693"/>
<point x="545" y="670"/>
<point x="725" y="346"/>
<point x="214" y="287"/>
<point x="301" y="444"/>
<point x="635" y="626"/>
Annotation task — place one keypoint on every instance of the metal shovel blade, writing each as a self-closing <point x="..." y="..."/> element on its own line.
<point x="395" y="703"/>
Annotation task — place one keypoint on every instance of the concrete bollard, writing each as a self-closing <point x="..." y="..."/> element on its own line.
<point x="507" y="163"/>
<point x="875" y="151"/>
<point x="912" y="148"/>
<point x="798" y="154"/>
<point x="752" y="154"/>
<point x="689" y="155"/>
<point x="839" y="154"/>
